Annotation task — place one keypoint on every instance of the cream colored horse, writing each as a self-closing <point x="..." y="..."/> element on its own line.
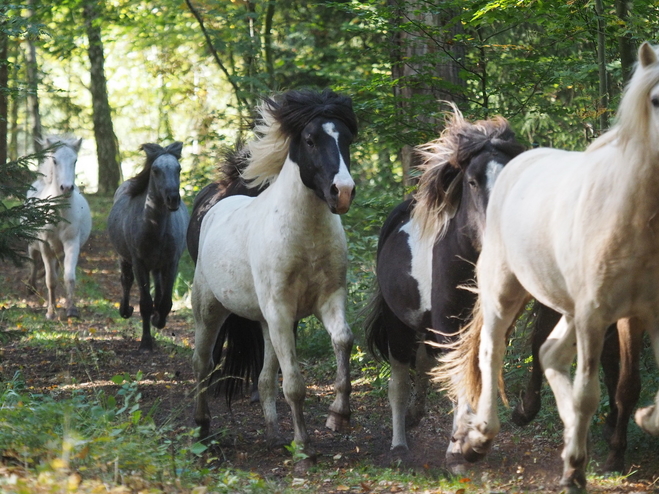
<point x="579" y="232"/>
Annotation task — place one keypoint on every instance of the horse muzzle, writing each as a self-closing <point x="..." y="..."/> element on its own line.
<point x="173" y="202"/>
<point x="66" y="189"/>
<point x="341" y="196"/>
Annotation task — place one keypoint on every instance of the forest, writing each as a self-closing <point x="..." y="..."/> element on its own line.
<point x="83" y="411"/>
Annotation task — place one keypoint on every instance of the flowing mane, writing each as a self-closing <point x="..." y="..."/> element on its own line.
<point x="444" y="161"/>
<point x="283" y="119"/>
<point x="140" y="182"/>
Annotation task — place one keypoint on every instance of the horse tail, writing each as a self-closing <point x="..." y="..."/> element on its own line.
<point x="462" y="360"/>
<point x="238" y="356"/>
<point x="377" y="338"/>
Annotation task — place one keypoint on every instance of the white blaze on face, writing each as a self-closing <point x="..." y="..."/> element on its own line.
<point x="491" y="174"/>
<point x="342" y="180"/>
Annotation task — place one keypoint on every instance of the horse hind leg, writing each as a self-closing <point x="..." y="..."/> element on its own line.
<point x="423" y="365"/>
<point x="37" y="269"/>
<point x="628" y="389"/>
<point x="529" y="405"/>
<point x="50" y="264"/>
<point x="164" y="284"/>
<point x="146" y="307"/>
<point x="127" y="277"/>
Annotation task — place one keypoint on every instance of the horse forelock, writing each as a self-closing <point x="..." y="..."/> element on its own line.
<point x="444" y="161"/>
<point x="284" y="119"/>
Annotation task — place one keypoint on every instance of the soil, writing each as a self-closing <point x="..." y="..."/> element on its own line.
<point x="522" y="459"/>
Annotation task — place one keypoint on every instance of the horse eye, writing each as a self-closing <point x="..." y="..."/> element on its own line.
<point x="472" y="182"/>
<point x="54" y="162"/>
<point x="310" y="142"/>
<point x="655" y="101"/>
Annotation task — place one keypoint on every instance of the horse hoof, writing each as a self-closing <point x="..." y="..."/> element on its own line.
<point x="471" y="455"/>
<point x="126" y="312"/>
<point x="574" y="481"/>
<point x="413" y="419"/>
<point x="31" y="290"/>
<point x="519" y="417"/>
<point x="456" y="464"/>
<point x="51" y="315"/>
<point x="302" y="467"/>
<point x="73" y="312"/>
<point x="146" y="346"/>
<point x="644" y="418"/>
<point x="336" y="422"/>
<point x="255" y="397"/>
<point x="157" y="321"/>
<point x="400" y="456"/>
<point x="614" y="464"/>
<point x="277" y="442"/>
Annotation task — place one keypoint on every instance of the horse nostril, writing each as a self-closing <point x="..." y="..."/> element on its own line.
<point x="334" y="190"/>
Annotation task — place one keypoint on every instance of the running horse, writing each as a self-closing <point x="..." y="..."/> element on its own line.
<point x="282" y="255"/>
<point x="578" y="232"/>
<point x="426" y="254"/>
<point x="63" y="240"/>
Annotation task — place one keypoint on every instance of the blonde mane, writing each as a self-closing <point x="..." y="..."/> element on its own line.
<point x="268" y="150"/>
<point x="443" y="163"/>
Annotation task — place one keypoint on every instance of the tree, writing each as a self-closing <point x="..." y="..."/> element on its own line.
<point x="107" y="148"/>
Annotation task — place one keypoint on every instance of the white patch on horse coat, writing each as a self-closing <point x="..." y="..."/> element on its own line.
<point x="343" y="177"/>
<point x="493" y="170"/>
<point x="421" y="253"/>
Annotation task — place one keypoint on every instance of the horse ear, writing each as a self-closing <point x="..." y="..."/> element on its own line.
<point x="77" y="144"/>
<point x="646" y="55"/>
<point x="175" y="149"/>
<point x="152" y="150"/>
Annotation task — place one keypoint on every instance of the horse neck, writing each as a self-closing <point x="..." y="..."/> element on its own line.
<point x="295" y="201"/>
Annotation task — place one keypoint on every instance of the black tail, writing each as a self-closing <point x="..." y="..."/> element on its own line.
<point x="377" y="338"/>
<point x="238" y="356"/>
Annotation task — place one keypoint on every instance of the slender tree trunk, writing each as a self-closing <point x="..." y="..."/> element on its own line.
<point x="15" y="105"/>
<point x="267" y="43"/>
<point x="107" y="149"/>
<point x="4" y="80"/>
<point x="33" y="87"/>
<point x="625" y="41"/>
<point x="601" y="62"/>
<point x="416" y="59"/>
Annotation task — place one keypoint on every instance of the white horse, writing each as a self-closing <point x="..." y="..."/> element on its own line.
<point x="579" y="232"/>
<point x="282" y="255"/>
<point x="59" y="242"/>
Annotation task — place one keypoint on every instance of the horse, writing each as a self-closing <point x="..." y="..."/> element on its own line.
<point x="63" y="240"/>
<point x="576" y="231"/>
<point x="620" y="360"/>
<point x="282" y="255"/>
<point x="147" y="225"/>
<point x="426" y="254"/>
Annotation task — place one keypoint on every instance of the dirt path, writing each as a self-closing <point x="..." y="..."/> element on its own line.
<point x="527" y="459"/>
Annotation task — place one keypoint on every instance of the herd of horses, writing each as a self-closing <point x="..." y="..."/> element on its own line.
<point x="575" y="231"/>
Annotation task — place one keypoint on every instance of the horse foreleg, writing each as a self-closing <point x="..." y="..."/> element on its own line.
<point x="529" y="405"/>
<point x="583" y="401"/>
<point x="611" y="367"/>
<point x="209" y="315"/>
<point x="50" y="264"/>
<point x="647" y="418"/>
<point x="423" y="365"/>
<point x="127" y="276"/>
<point x="163" y="302"/>
<point x="399" y="396"/>
<point x="71" y="255"/>
<point x="146" y="306"/>
<point x="628" y="389"/>
<point x="280" y="330"/>
<point x="462" y="415"/>
<point x="332" y="315"/>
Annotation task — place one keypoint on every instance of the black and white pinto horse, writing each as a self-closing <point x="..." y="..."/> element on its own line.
<point x="578" y="232"/>
<point x="427" y="250"/>
<point x="63" y="240"/>
<point x="147" y="226"/>
<point x="282" y="255"/>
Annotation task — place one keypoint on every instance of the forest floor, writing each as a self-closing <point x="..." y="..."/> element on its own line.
<point x="522" y="460"/>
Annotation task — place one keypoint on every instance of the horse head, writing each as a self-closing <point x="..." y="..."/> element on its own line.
<point x="59" y="166"/>
<point x="322" y="153"/>
<point x="164" y="178"/>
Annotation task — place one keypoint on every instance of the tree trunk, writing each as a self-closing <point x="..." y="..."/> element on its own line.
<point x="15" y="105"/>
<point x="107" y="149"/>
<point x="625" y="41"/>
<point x="33" y="87"/>
<point x="4" y="80"/>
<point x="418" y="59"/>
<point x="601" y="62"/>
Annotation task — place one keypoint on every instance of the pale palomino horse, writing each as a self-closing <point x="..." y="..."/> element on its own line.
<point x="59" y="242"/>
<point x="282" y="255"/>
<point x="577" y="231"/>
